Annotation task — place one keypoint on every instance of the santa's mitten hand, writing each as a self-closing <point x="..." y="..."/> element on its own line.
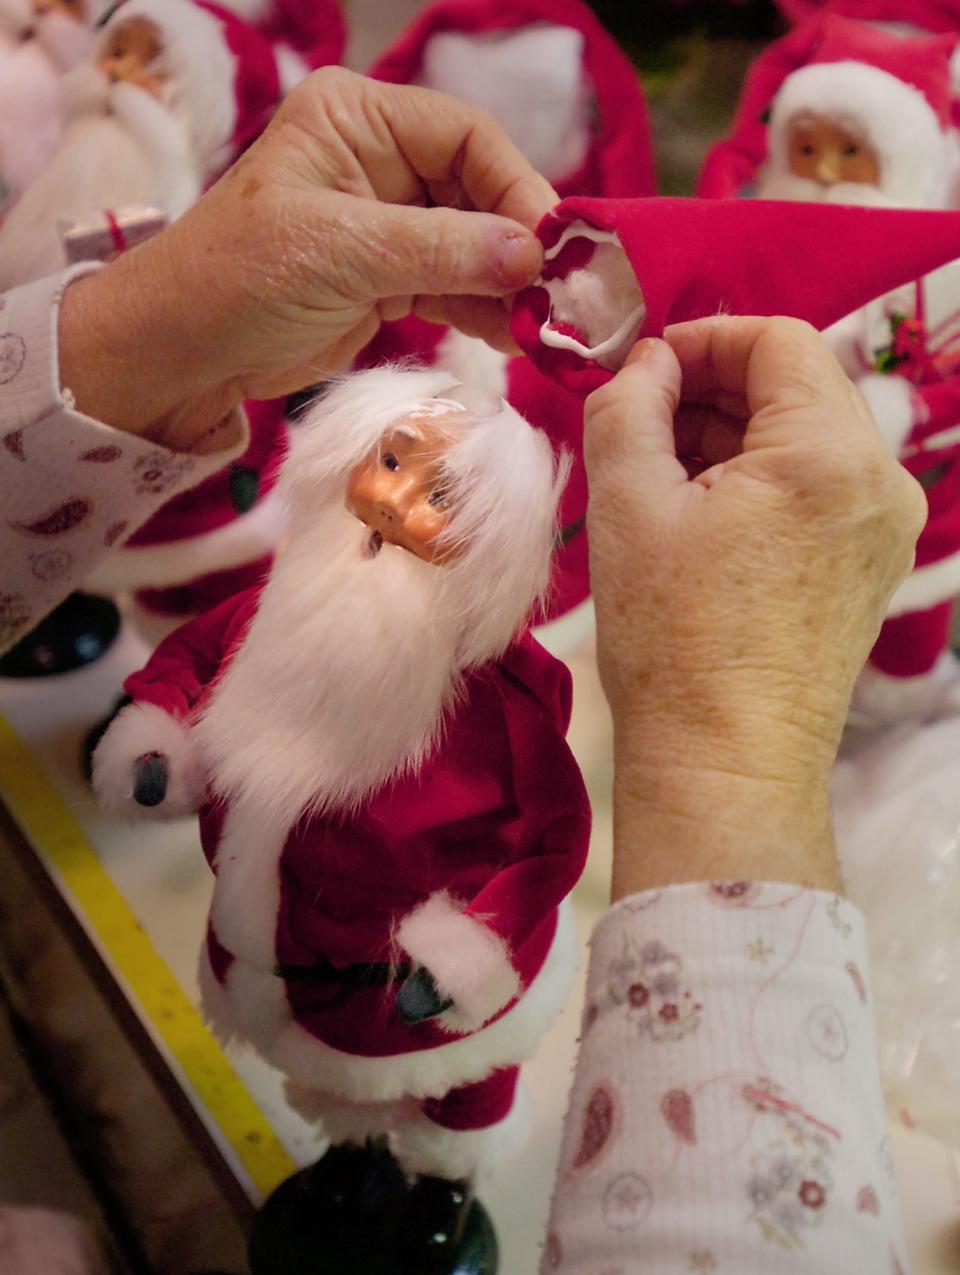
<point x="463" y="963"/>
<point x="147" y="766"/>
<point x="419" y="1000"/>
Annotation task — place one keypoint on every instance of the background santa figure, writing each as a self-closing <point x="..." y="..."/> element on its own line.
<point x="39" y="41"/>
<point x="386" y="795"/>
<point x="868" y="121"/>
<point x="168" y="93"/>
<point x="306" y="34"/>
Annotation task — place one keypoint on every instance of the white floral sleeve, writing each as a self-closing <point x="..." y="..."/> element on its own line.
<point x="726" y="1116"/>
<point x="70" y="487"/>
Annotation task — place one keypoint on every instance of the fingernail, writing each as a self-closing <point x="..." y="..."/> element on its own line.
<point x="644" y="349"/>
<point x="520" y="260"/>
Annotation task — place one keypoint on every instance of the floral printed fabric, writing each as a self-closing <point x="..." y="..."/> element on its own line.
<point x="726" y="1113"/>
<point x="70" y="487"/>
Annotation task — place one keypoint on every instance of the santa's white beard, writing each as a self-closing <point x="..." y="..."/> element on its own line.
<point x="120" y="148"/>
<point x="30" y="123"/>
<point x="776" y="183"/>
<point x="342" y="680"/>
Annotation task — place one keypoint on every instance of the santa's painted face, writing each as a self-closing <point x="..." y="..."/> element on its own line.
<point x="399" y="491"/>
<point x="823" y="151"/>
<point x="131" y="54"/>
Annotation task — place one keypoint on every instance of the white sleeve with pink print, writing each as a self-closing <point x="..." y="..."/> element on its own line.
<point x="70" y="487"/>
<point x="726" y="1112"/>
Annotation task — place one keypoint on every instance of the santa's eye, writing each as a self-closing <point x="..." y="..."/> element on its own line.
<point x="439" y="498"/>
<point x="390" y="461"/>
<point x="807" y="148"/>
<point x="851" y="149"/>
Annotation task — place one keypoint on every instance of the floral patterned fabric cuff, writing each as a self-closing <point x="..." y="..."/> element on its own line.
<point x="726" y="1113"/>
<point x="72" y="487"/>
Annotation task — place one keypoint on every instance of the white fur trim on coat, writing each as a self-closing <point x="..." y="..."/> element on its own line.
<point x="252" y="1007"/>
<point x="891" y="115"/>
<point x="469" y="963"/>
<point x="893" y="405"/>
<point x="880" y="699"/>
<point x="139" y="729"/>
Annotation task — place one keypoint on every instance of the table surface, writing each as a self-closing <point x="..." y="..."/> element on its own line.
<point x="140" y="895"/>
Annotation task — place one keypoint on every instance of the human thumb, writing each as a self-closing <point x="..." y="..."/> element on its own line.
<point x="446" y="252"/>
<point x="629" y="444"/>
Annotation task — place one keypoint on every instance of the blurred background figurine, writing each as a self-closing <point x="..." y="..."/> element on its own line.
<point x="868" y="120"/>
<point x="306" y="34"/>
<point x="389" y="805"/>
<point x="170" y="91"/>
<point x="39" y="41"/>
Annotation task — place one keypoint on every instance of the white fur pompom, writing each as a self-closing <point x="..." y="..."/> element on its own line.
<point x="141" y="729"/>
<point x="468" y="962"/>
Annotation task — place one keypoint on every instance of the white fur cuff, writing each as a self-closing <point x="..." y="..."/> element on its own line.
<point x="139" y="729"/>
<point x="469" y="963"/>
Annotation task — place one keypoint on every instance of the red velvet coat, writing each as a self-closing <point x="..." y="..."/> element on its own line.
<point x="498" y="816"/>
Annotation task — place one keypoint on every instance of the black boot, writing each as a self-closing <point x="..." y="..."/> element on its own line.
<point x="447" y="1231"/>
<point x="78" y="632"/>
<point x="342" y="1216"/>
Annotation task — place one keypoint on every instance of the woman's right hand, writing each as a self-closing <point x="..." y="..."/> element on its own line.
<point x="736" y="607"/>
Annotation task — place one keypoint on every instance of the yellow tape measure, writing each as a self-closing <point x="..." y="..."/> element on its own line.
<point x="47" y="822"/>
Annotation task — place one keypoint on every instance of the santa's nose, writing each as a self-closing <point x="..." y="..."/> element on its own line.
<point x="827" y="171"/>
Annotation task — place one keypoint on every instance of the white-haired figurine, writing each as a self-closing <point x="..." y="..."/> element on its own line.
<point x="377" y="748"/>
<point x="167" y="94"/>
<point x="39" y="41"/>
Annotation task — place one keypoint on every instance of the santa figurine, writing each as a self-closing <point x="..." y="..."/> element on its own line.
<point x="306" y="34"/>
<point x="557" y="81"/>
<point x="868" y="121"/>
<point x="39" y="41"/>
<point x="171" y="89"/>
<point x="376" y="747"/>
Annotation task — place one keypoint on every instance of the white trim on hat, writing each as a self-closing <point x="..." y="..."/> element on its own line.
<point x="892" y="116"/>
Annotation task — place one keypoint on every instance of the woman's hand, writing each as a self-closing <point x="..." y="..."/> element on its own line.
<point x="747" y="528"/>
<point x="283" y="271"/>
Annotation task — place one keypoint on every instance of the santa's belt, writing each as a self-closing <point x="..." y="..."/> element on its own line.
<point x="325" y="972"/>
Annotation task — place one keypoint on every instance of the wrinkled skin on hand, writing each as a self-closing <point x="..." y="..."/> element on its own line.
<point x="747" y="529"/>
<point x="361" y="202"/>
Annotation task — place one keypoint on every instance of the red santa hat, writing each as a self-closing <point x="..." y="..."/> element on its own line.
<point x="224" y="79"/>
<point x="307" y="34"/>
<point x="928" y="15"/>
<point x="894" y="89"/>
<point x="619" y="159"/>
<point x="617" y="270"/>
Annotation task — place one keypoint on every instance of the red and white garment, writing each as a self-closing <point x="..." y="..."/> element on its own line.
<point x="461" y="868"/>
<point x="617" y="270"/>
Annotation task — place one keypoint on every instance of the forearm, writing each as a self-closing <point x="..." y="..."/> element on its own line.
<point x="696" y="809"/>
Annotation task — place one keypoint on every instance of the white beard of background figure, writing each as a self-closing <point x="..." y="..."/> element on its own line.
<point x="148" y="118"/>
<point x="40" y="40"/>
